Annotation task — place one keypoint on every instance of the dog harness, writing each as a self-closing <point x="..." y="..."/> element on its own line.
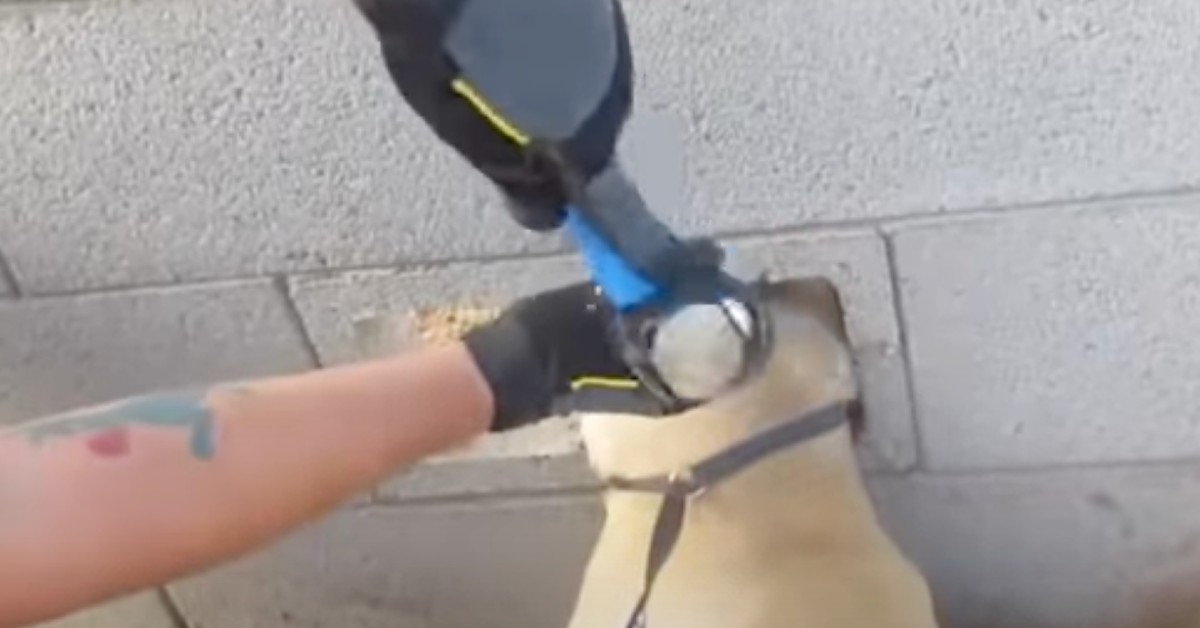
<point x="680" y="487"/>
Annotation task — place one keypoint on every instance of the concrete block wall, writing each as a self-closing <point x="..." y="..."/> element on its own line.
<point x="1006" y="194"/>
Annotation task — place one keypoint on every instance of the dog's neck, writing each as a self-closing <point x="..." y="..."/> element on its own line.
<point x="777" y="491"/>
<point x="790" y="540"/>
<point x="811" y="370"/>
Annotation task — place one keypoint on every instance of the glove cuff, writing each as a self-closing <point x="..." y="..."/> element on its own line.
<point x="505" y="355"/>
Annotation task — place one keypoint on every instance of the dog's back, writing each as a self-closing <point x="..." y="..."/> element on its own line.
<point x="792" y="541"/>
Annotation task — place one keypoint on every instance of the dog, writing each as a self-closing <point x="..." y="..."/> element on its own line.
<point x="791" y="540"/>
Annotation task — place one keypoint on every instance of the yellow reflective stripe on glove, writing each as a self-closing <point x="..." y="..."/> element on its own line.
<point x="489" y="113"/>
<point x="617" y="383"/>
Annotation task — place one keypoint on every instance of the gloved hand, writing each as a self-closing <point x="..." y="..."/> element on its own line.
<point x="554" y="353"/>
<point x="534" y="93"/>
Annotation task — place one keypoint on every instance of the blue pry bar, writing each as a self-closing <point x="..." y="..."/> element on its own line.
<point x="624" y="286"/>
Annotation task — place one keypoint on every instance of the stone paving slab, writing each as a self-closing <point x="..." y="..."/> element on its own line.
<point x="171" y="142"/>
<point x="162" y="143"/>
<point x="6" y="287"/>
<point x="360" y="314"/>
<point x="144" y="610"/>
<point x="1066" y="549"/>
<point x="59" y="353"/>
<point x="483" y="477"/>
<point x="1061" y="549"/>
<point x="516" y="563"/>
<point x="331" y="305"/>
<point x="1056" y="337"/>
<point x="801" y="111"/>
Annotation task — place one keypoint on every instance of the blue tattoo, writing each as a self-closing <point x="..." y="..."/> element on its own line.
<point x="189" y="412"/>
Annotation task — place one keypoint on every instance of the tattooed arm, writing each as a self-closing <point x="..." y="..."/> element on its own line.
<point x="116" y="498"/>
<point x="125" y="496"/>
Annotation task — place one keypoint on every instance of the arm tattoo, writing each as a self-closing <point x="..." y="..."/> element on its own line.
<point x="106" y="427"/>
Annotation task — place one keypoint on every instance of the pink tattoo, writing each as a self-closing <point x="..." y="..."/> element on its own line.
<point x="112" y="443"/>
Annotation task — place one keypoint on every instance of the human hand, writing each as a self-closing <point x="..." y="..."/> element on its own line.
<point x="528" y="92"/>
<point x="554" y="353"/>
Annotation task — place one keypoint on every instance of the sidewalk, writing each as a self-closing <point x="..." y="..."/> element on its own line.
<point x="1006" y="194"/>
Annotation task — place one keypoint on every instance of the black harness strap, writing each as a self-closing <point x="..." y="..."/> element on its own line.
<point x="678" y="488"/>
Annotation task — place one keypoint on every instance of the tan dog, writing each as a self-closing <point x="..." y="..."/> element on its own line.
<point x="792" y="541"/>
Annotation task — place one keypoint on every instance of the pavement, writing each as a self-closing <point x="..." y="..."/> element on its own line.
<point x="1006" y="195"/>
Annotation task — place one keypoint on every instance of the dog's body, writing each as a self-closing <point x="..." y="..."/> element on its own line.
<point x="791" y="541"/>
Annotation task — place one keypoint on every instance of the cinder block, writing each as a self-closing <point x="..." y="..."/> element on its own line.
<point x="144" y="610"/>
<point x="465" y="566"/>
<point x="164" y="143"/>
<point x="1063" y="549"/>
<point x="330" y="307"/>
<point x="59" y="353"/>
<point x="1056" y="337"/>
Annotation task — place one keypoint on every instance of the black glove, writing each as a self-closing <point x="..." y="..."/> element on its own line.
<point x="553" y="353"/>
<point x="533" y="93"/>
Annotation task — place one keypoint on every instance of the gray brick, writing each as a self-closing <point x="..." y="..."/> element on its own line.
<point x="1051" y="338"/>
<point x="1066" y="549"/>
<point x="144" y="610"/>
<point x="216" y="139"/>
<point x="857" y="263"/>
<point x="58" y="353"/>
<point x="510" y="564"/>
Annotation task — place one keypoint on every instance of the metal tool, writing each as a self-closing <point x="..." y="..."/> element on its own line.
<point x="551" y="77"/>
<point x="688" y="329"/>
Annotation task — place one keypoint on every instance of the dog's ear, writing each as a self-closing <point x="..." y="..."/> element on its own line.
<point x="815" y="295"/>
<point x="818" y="297"/>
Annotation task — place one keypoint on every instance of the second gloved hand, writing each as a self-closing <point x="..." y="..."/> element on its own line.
<point x="523" y="89"/>
<point x="553" y="353"/>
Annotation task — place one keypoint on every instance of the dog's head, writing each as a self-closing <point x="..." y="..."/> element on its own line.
<point x="809" y="362"/>
<point x="808" y="365"/>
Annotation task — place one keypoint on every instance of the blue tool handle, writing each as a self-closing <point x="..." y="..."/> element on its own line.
<point x="625" y="287"/>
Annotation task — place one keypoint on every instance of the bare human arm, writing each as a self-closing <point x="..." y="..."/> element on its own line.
<point x="112" y="499"/>
<point x="124" y="496"/>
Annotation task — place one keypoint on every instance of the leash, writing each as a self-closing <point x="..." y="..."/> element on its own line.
<point x="679" y="488"/>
